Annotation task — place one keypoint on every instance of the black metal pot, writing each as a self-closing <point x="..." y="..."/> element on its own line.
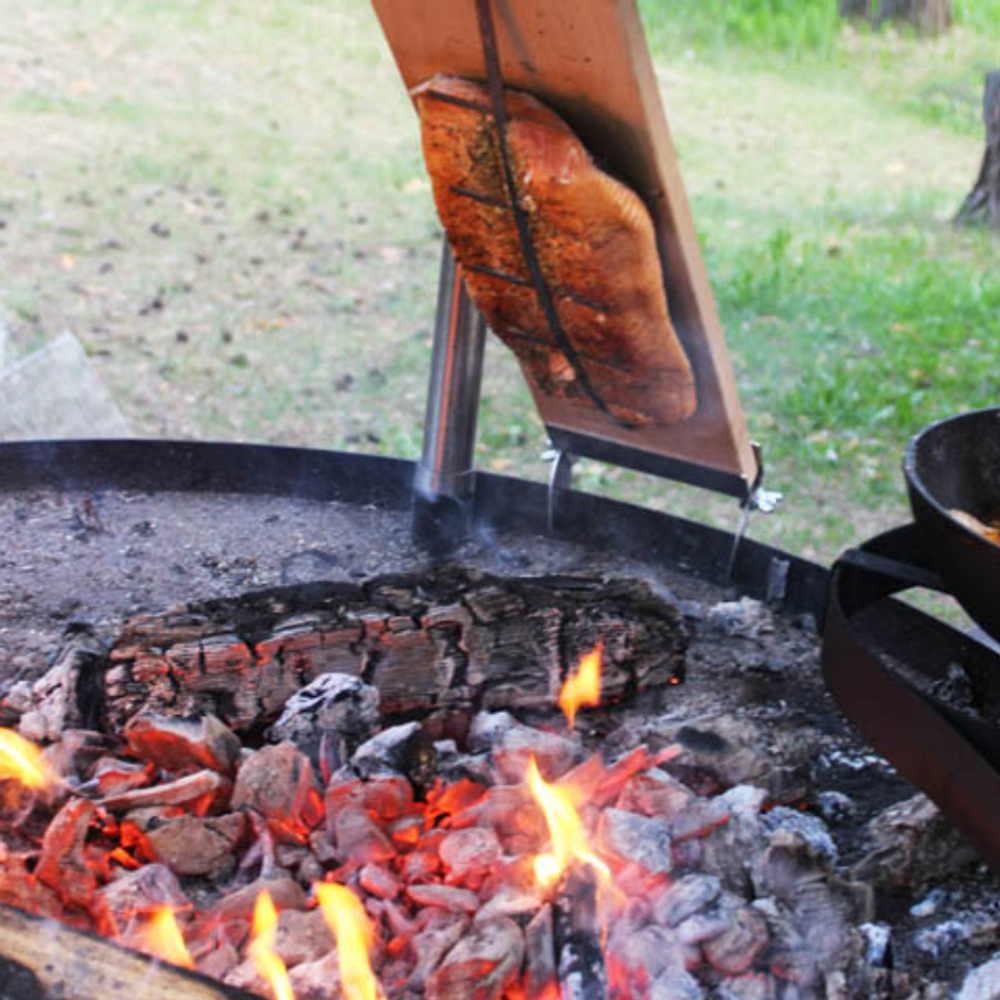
<point x="955" y="465"/>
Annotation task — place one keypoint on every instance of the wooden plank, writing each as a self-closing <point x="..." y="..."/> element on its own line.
<point x="73" y="965"/>
<point x="588" y="59"/>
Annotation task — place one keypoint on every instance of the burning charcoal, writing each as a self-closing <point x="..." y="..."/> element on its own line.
<point x="358" y="838"/>
<point x="442" y="933"/>
<point x="514" y="898"/>
<point x="329" y="719"/>
<point x="702" y="927"/>
<point x="699" y="818"/>
<point x="219" y="962"/>
<point x="136" y="824"/>
<point x="290" y="856"/>
<point x="76" y="754"/>
<point x="916" y="847"/>
<point x="878" y="944"/>
<point x="730" y="849"/>
<point x="636" y="838"/>
<point x="418" y="865"/>
<point x="445" y="897"/>
<point x="736" y="750"/>
<point x="483" y="964"/>
<point x="835" y="807"/>
<point x="235" y="909"/>
<point x="379" y="881"/>
<point x="302" y="936"/>
<point x="62" y="864"/>
<point x="469" y="852"/>
<point x="192" y="845"/>
<point x="677" y="984"/>
<point x="734" y="951"/>
<point x="814" y="907"/>
<point x="114" y="776"/>
<point x="982" y="983"/>
<point x="200" y="792"/>
<point x="749" y="986"/>
<point x="655" y="793"/>
<point x="745" y="618"/>
<point x="651" y="951"/>
<point x="277" y="782"/>
<point x="687" y="896"/>
<point x="512" y="744"/>
<point x="137" y="893"/>
<point x="71" y="694"/>
<point x="810" y="828"/>
<point x="509" y="809"/>
<point x="405" y="749"/>
<point x="18" y="888"/>
<point x="318" y="980"/>
<point x="246" y="976"/>
<point x="182" y="745"/>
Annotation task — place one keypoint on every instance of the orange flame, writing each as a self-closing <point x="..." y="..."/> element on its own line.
<point x="163" y="939"/>
<point x="22" y="760"/>
<point x="583" y="686"/>
<point x="268" y="964"/>
<point x="566" y="832"/>
<point x="345" y="916"/>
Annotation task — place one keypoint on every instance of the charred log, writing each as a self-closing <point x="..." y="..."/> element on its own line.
<point x="73" y="965"/>
<point x="982" y="203"/>
<point x="449" y="640"/>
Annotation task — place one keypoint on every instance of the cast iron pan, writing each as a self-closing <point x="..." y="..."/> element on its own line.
<point x="955" y="464"/>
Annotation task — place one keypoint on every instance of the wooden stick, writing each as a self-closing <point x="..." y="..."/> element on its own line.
<point x="582" y="972"/>
<point x="74" y="965"/>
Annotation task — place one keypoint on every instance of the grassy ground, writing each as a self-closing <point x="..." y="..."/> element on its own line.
<point x="227" y="205"/>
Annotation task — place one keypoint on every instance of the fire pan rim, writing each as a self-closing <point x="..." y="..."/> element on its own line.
<point x="501" y="503"/>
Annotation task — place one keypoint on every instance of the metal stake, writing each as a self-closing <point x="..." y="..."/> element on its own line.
<point x="445" y="478"/>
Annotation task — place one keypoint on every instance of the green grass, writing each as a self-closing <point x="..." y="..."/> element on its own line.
<point x="297" y="283"/>
<point x="714" y="27"/>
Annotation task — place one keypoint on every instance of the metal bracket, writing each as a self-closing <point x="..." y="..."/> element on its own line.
<point x="765" y="501"/>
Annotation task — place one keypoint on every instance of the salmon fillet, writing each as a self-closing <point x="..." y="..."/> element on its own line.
<point x="594" y="240"/>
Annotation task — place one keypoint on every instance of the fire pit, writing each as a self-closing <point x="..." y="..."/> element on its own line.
<point x="149" y="523"/>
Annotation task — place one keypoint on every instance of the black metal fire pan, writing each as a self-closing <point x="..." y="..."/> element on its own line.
<point x="955" y="464"/>
<point x="502" y="504"/>
<point x="953" y="755"/>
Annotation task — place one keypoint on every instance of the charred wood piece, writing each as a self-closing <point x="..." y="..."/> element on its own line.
<point x="582" y="971"/>
<point x="77" y="966"/>
<point x="450" y="639"/>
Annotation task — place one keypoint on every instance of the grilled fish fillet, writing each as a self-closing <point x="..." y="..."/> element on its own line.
<point x="594" y="240"/>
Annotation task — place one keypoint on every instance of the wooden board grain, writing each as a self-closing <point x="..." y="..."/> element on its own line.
<point x="588" y="59"/>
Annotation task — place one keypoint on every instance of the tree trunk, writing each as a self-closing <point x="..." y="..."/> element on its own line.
<point x="982" y="203"/>
<point x="929" y="17"/>
<point x="855" y="9"/>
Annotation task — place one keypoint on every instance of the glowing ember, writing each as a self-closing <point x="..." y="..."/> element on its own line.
<point x="23" y="761"/>
<point x="345" y="915"/>
<point x="164" y="940"/>
<point x="268" y="964"/>
<point x="583" y="687"/>
<point x="566" y="832"/>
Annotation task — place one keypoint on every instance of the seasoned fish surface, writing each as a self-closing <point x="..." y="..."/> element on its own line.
<point x="594" y="240"/>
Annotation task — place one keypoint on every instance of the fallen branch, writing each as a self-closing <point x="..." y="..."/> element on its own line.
<point x="73" y="965"/>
